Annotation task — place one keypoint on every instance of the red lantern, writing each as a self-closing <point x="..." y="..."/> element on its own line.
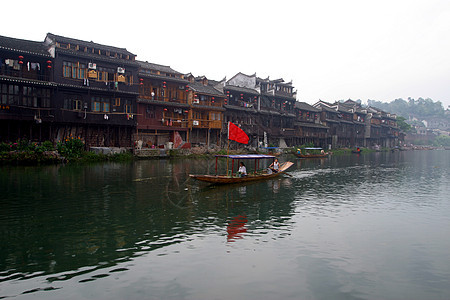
<point x="186" y="111"/>
<point x="20" y="57"/>
<point x="165" y="109"/>
<point x="164" y="84"/>
<point x="141" y="81"/>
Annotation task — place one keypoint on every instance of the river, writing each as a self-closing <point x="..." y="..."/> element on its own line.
<point x="360" y="226"/>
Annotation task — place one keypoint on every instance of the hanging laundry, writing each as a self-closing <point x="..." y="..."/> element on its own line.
<point x="16" y="65"/>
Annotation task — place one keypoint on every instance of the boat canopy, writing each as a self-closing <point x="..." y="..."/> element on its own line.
<point x="311" y="148"/>
<point x="247" y="156"/>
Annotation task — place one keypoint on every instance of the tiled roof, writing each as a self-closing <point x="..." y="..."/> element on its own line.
<point x="205" y="89"/>
<point x="326" y="108"/>
<point x="95" y="89"/>
<point x="279" y="94"/>
<point x="62" y="39"/>
<point x="163" y="103"/>
<point x="240" y="89"/>
<point x="23" y="46"/>
<point x="26" y="80"/>
<point x="241" y="108"/>
<point x="305" y="106"/>
<point x="156" y="67"/>
<point x="311" y="125"/>
<point x="97" y="57"/>
<point x="164" y="78"/>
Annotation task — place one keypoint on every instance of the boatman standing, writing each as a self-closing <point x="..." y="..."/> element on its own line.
<point x="275" y="166"/>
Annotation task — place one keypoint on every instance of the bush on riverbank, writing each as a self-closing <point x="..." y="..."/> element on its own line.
<point x="23" y="152"/>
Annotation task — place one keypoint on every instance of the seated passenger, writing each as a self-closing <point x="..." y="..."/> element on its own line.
<point x="242" y="170"/>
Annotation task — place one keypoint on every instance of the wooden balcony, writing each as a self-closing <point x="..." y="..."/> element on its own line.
<point x="210" y="124"/>
<point x="164" y="99"/>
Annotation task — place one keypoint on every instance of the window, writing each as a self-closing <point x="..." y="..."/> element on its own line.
<point x="82" y="71"/>
<point x="116" y="102"/>
<point x="96" y="104"/>
<point x="150" y="112"/>
<point x="128" y="107"/>
<point x="74" y="70"/>
<point x="67" y="69"/>
<point x="73" y="102"/>
<point x="102" y="74"/>
<point x="105" y="105"/>
<point x="77" y="104"/>
<point x="29" y="96"/>
<point x="9" y="94"/>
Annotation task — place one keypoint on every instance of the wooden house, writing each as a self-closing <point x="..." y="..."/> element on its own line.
<point x="277" y="106"/>
<point x="206" y="115"/>
<point x="163" y="108"/>
<point x="308" y="127"/>
<point x="96" y="91"/>
<point x="264" y="108"/>
<point x="330" y="118"/>
<point x="241" y="103"/>
<point x="27" y="110"/>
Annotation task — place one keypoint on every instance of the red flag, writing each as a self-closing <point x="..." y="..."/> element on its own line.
<point x="237" y="134"/>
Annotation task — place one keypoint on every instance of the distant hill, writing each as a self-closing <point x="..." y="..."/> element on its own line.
<point x="433" y="113"/>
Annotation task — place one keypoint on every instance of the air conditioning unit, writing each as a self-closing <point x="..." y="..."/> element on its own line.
<point x="195" y="123"/>
<point x="196" y="101"/>
<point x="92" y="66"/>
<point x="120" y="70"/>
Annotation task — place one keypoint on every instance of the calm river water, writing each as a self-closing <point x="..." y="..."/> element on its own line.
<point x="368" y="226"/>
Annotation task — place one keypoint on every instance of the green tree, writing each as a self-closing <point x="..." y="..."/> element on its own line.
<point x="442" y="140"/>
<point x="403" y="125"/>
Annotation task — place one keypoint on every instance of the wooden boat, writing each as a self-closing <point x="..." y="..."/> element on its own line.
<point x="252" y="176"/>
<point x="311" y="155"/>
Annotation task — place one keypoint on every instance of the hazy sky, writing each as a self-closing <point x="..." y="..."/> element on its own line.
<point x="331" y="50"/>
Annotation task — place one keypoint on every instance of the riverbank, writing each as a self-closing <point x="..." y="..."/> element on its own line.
<point x="40" y="155"/>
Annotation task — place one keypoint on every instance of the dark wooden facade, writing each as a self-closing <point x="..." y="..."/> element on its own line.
<point x="262" y="107"/>
<point x="307" y="126"/>
<point x="163" y="109"/>
<point x="96" y="91"/>
<point x="206" y="116"/>
<point x="61" y="87"/>
<point x="26" y="106"/>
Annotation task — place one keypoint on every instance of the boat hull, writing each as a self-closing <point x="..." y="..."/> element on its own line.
<point x="223" y="179"/>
